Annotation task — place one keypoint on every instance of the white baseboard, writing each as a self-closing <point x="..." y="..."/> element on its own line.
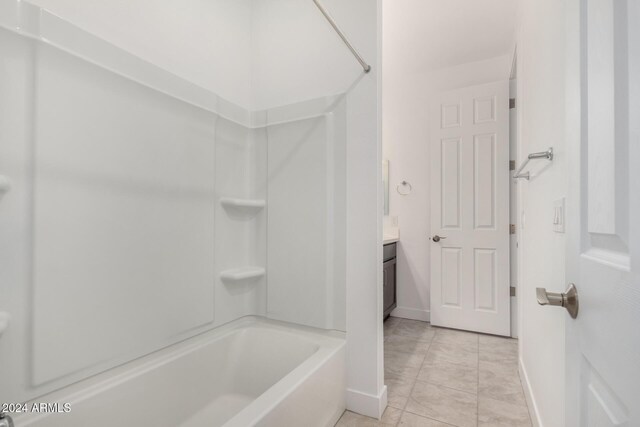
<point x="367" y="404"/>
<point x="411" y="313"/>
<point x="528" y="394"/>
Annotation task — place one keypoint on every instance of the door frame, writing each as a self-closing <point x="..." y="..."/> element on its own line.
<point x="514" y="200"/>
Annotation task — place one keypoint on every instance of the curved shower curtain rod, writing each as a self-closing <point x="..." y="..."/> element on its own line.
<point x="366" y="67"/>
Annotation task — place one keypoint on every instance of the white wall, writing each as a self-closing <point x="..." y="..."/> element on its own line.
<point x="207" y="42"/>
<point x="407" y="100"/>
<point x="541" y="64"/>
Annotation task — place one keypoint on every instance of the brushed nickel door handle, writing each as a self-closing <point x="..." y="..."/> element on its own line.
<point x="437" y="238"/>
<point x="567" y="299"/>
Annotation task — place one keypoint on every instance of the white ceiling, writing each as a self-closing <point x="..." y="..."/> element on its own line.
<point x="424" y="35"/>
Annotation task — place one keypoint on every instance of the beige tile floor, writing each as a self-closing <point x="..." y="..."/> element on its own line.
<point x="442" y="377"/>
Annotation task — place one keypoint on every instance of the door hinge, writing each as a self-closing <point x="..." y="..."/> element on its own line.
<point x="512" y="291"/>
<point x="512" y="229"/>
<point x="512" y="165"/>
<point x="512" y="103"/>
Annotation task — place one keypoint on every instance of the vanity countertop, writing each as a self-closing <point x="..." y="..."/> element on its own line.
<point x="390" y="238"/>
<point x="390" y="230"/>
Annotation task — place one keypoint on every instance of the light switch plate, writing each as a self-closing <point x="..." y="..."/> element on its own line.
<point x="558" y="216"/>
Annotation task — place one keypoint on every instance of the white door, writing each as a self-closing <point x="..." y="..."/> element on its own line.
<point x="470" y="209"/>
<point x="603" y="222"/>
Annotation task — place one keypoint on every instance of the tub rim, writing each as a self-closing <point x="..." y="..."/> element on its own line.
<point x="328" y="342"/>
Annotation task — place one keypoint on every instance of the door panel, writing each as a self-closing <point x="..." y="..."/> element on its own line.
<point x="470" y="209"/>
<point x="484" y="194"/>
<point x="485" y="269"/>
<point x="484" y="109"/>
<point x="451" y="266"/>
<point x="603" y="252"/>
<point x="450" y="195"/>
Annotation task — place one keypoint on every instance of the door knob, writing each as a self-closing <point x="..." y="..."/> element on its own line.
<point x="568" y="299"/>
<point x="437" y="238"/>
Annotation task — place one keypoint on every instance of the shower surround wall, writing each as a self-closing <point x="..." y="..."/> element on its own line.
<point x="298" y="56"/>
<point x="117" y="230"/>
<point x="307" y="213"/>
<point x="113" y="230"/>
<point x="207" y="42"/>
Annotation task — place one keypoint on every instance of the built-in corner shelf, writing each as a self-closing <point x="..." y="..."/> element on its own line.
<point x="244" y="273"/>
<point x="252" y="204"/>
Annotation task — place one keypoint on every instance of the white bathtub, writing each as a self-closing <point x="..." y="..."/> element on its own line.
<point x="251" y="372"/>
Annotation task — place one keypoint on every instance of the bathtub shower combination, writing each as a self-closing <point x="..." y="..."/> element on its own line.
<point x="250" y="372"/>
<point x="141" y="216"/>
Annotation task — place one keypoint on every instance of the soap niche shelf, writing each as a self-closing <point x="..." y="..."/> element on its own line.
<point x="243" y="204"/>
<point x="243" y="273"/>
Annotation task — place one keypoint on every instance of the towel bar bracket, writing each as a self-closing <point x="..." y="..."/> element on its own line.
<point x="541" y="155"/>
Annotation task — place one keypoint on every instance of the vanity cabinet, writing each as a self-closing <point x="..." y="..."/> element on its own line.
<point x="389" y="278"/>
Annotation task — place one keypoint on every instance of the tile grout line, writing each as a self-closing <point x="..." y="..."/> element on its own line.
<point x="431" y="419"/>
<point x="404" y="408"/>
<point x="434" y="339"/>
<point x="415" y="380"/>
<point x="448" y="387"/>
<point x="493" y="398"/>
<point x="526" y="404"/>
